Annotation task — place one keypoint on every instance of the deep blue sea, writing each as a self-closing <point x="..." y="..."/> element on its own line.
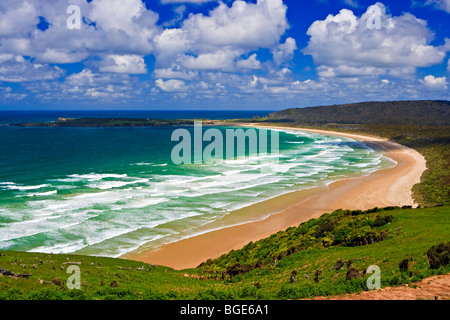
<point x="107" y="191"/>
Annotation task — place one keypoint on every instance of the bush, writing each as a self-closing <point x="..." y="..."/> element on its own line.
<point x="212" y="294"/>
<point x="154" y="295"/>
<point x="45" y="294"/>
<point x="57" y="282"/>
<point x="404" y="265"/>
<point x="439" y="255"/>
<point x="12" y="294"/>
<point x="352" y="273"/>
<point x="250" y="292"/>
<point x="382" y="220"/>
<point x="78" y="295"/>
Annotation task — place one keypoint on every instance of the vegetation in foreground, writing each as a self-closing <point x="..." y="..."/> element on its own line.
<point x="325" y="256"/>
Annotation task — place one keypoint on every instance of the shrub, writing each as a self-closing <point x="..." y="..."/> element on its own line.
<point x="57" y="282"/>
<point x="77" y="295"/>
<point x="154" y="295"/>
<point x="45" y="294"/>
<point x="352" y="273"/>
<point x="404" y="265"/>
<point x="12" y="294"/>
<point x="439" y="255"/>
<point x="382" y="220"/>
<point x="237" y="269"/>
<point x="249" y="292"/>
<point x="212" y="294"/>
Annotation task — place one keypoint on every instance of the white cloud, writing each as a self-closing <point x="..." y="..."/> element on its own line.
<point x="435" y="83"/>
<point x="18" y="69"/>
<point x="7" y="93"/>
<point x="346" y="46"/>
<point x="284" y="51"/>
<point x="88" y="85"/>
<point x="108" y="27"/>
<point x="17" y="17"/>
<point x="243" y="24"/>
<point x="170" y="73"/>
<point x="345" y="70"/>
<point x="125" y="21"/>
<point x="223" y="35"/>
<point x="84" y="78"/>
<point x="171" y="85"/>
<point x="130" y="64"/>
<point x="219" y="60"/>
<point x="52" y="55"/>
<point x="250" y="63"/>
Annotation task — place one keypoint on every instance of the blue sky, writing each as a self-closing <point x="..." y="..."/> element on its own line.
<point x="209" y="54"/>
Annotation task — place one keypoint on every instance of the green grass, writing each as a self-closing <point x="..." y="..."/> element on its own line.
<point x="410" y="234"/>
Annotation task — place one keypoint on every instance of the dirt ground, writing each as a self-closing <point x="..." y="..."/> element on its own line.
<point x="436" y="287"/>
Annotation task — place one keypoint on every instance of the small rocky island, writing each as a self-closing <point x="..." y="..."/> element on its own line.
<point x="107" y="122"/>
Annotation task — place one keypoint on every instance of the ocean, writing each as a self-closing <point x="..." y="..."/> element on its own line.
<point x="108" y="191"/>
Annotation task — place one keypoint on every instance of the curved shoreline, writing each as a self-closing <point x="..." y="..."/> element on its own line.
<point x="386" y="187"/>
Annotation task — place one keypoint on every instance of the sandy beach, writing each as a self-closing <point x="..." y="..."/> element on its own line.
<point x="388" y="187"/>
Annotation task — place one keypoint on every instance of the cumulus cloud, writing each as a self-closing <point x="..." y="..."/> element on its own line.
<point x="243" y="24"/>
<point x="174" y="73"/>
<point x="18" y="69"/>
<point x="219" y="60"/>
<point x="435" y="83"/>
<point x="171" y="85"/>
<point x="284" y="51"/>
<point x="251" y="62"/>
<point x="89" y="85"/>
<point x="224" y="35"/>
<point x="130" y="64"/>
<point x="16" y="18"/>
<point x="121" y="27"/>
<point x="215" y="54"/>
<point x="344" y="44"/>
<point x="82" y="79"/>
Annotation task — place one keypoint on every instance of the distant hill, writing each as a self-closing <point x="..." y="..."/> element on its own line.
<point x="390" y="112"/>
<point x="106" y="122"/>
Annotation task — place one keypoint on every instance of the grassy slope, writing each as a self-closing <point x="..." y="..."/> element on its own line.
<point x="420" y="229"/>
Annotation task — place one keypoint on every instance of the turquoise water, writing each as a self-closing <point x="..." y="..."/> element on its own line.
<point x="107" y="191"/>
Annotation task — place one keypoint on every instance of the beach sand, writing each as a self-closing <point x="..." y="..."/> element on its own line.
<point x="388" y="187"/>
